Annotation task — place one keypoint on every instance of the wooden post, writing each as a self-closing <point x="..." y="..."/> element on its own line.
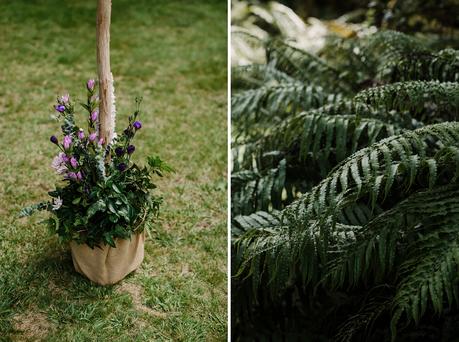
<point x="106" y="104"/>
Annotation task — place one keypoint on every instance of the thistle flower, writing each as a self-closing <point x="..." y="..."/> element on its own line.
<point x="53" y="139"/>
<point x="81" y="134"/>
<point x="137" y="125"/>
<point x="67" y="142"/>
<point x="73" y="162"/>
<point x="90" y="85"/>
<point x="60" y="108"/>
<point x="59" y="163"/>
<point x="92" y="136"/>
<point x="57" y="203"/>
<point x="94" y="115"/>
<point x="122" y="167"/>
<point x="119" y="151"/>
<point x="130" y="149"/>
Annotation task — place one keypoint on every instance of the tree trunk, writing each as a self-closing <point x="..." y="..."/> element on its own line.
<point x="106" y="100"/>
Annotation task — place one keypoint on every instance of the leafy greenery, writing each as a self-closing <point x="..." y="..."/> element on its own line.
<point x="107" y="197"/>
<point x="174" y="54"/>
<point x="345" y="189"/>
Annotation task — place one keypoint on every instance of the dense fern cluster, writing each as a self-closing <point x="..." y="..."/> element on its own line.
<point x="345" y="185"/>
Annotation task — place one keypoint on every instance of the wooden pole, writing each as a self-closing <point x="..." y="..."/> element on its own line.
<point x="104" y="9"/>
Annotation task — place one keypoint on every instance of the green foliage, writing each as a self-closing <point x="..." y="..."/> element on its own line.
<point x="344" y="185"/>
<point x="159" y="166"/>
<point x="106" y="196"/>
<point x="115" y="208"/>
<point x="28" y="211"/>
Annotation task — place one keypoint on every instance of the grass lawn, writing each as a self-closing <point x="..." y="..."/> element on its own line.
<point x="173" y="53"/>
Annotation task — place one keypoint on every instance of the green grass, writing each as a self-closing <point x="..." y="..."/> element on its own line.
<point x="173" y="53"/>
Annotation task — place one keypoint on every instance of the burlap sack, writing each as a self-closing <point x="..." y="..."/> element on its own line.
<point x="108" y="265"/>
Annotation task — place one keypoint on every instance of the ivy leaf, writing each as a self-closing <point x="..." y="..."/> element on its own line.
<point x="111" y="207"/>
<point x="95" y="207"/>
<point x="109" y="239"/>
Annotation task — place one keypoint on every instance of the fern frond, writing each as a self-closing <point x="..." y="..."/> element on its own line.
<point x="304" y="66"/>
<point x="310" y="145"/>
<point x="428" y="101"/>
<point x="369" y="174"/>
<point x="376" y="243"/>
<point x="363" y="320"/>
<point x="256" y="75"/>
<point x="252" y="191"/>
<point x="345" y="180"/>
<point x="400" y="57"/>
<point x="321" y="141"/>
<point x="429" y="274"/>
<point x="441" y="66"/>
<point x="387" y="49"/>
<point x="283" y="98"/>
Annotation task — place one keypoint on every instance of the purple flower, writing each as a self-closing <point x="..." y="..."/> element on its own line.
<point x="67" y="142"/>
<point x="130" y="149"/>
<point x="81" y="134"/>
<point x="59" y="163"/>
<point x="122" y="167"/>
<point x="90" y="85"/>
<point x="101" y="141"/>
<point x="92" y="136"/>
<point x="60" y="108"/>
<point x="64" y="99"/>
<point x="65" y="158"/>
<point x="72" y="175"/>
<point x="53" y="139"/>
<point x="94" y="115"/>
<point x="73" y="162"/>
<point x="119" y="151"/>
<point x="137" y="125"/>
<point x="79" y="175"/>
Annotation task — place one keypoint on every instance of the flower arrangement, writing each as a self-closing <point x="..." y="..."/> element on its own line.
<point x="105" y="194"/>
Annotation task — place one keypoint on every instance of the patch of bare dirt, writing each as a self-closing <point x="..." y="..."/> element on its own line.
<point x="31" y="326"/>
<point x="136" y="293"/>
<point x="53" y="288"/>
<point x="186" y="272"/>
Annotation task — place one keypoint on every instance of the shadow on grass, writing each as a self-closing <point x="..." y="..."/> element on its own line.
<point x="47" y="282"/>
